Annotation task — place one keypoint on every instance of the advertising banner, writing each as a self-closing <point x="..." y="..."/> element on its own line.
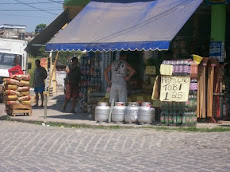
<point x="174" y="88"/>
<point x="217" y="51"/>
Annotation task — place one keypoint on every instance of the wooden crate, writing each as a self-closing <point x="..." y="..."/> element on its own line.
<point x="19" y="109"/>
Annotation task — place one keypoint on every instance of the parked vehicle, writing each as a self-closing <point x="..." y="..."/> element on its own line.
<point x="12" y="53"/>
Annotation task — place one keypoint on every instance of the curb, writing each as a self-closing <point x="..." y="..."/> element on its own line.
<point x="80" y="124"/>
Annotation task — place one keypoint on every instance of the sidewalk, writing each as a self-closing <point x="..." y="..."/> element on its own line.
<point x="55" y="115"/>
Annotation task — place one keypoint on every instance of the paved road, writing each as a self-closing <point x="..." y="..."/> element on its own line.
<point x="27" y="147"/>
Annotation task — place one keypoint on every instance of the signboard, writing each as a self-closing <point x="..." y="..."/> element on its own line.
<point x="213" y="2"/>
<point x="43" y="62"/>
<point x="166" y="69"/>
<point x="174" y="88"/>
<point x="217" y="51"/>
<point x="150" y="70"/>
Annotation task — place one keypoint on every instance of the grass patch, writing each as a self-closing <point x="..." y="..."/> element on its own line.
<point x="192" y="129"/>
<point x="115" y="127"/>
<point x="64" y="125"/>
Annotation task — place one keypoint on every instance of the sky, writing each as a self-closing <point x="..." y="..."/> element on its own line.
<point x="29" y="12"/>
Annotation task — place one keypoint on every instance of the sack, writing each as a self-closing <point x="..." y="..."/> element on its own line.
<point x="26" y="93"/>
<point x="10" y="81"/>
<point x="23" y="83"/>
<point x="21" y="77"/>
<point x="12" y="102"/>
<point x="11" y="87"/>
<point x="24" y="98"/>
<point x="11" y="92"/>
<point x="26" y="88"/>
<point x="10" y="97"/>
<point x="26" y="102"/>
<point x="16" y="70"/>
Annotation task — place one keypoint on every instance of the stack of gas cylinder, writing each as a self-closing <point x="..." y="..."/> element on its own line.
<point x="133" y="113"/>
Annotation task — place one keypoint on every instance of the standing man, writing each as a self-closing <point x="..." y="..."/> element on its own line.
<point x="72" y="80"/>
<point x="40" y="75"/>
<point x="118" y="70"/>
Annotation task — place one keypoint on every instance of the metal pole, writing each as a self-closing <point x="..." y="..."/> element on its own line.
<point x="54" y="68"/>
<point x="46" y="94"/>
<point x="45" y="107"/>
<point x="110" y="112"/>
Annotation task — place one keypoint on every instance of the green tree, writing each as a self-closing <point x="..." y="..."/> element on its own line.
<point x="39" y="28"/>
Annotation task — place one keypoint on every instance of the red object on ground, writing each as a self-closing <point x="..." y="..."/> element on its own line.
<point x="16" y="70"/>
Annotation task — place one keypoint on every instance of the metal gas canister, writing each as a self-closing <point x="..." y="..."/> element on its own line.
<point x="131" y="112"/>
<point x="102" y="112"/>
<point x="118" y="112"/>
<point x="146" y="114"/>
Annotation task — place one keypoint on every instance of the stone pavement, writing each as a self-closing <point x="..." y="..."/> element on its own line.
<point x="28" y="147"/>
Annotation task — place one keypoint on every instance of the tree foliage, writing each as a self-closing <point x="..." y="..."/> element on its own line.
<point x="39" y="28"/>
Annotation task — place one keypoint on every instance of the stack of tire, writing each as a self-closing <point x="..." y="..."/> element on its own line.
<point x="17" y="90"/>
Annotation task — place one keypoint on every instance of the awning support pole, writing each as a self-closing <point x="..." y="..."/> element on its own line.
<point x="54" y="68"/>
<point x="50" y="79"/>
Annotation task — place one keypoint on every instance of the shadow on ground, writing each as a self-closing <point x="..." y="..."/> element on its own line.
<point x="55" y="109"/>
<point x="77" y="116"/>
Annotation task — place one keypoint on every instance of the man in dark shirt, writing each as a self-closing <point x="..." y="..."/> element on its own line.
<point x="72" y="83"/>
<point x="40" y="75"/>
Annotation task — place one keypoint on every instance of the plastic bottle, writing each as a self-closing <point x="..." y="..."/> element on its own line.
<point x="195" y="102"/>
<point x="186" y="67"/>
<point x="181" y="67"/>
<point x="187" y="104"/>
<point x="195" y="84"/>
<point x="176" y="67"/>
<point x="170" y="118"/>
<point x="166" y="118"/>
<point x="162" y="118"/>
<point x="173" y="64"/>
<point x="179" y="118"/>
<point x="194" y="118"/>
<point x="194" y="70"/>
<point x="174" y="116"/>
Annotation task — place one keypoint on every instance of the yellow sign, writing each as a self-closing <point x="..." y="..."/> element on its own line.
<point x="166" y="69"/>
<point x="174" y="88"/>
<point x="150" y="70"/>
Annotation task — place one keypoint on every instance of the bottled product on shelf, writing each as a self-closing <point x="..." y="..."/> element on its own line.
<point x="177" y="113"/>
<point x="183" y="67"/>
<point x="90" y="77"/>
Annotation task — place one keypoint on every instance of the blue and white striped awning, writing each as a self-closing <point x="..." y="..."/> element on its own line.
<point x="124" y="25"/>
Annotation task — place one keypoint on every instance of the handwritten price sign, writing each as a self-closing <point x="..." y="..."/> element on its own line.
<point x="174" y="88"/>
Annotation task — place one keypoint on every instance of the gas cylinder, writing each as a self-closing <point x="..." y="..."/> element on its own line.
<point x="102" y="112"/>
<point x="131" y="112"/>
<point x="146" y="114"/>
<point x="118" y="112"/>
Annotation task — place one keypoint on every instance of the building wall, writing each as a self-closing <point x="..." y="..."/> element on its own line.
<point x="14" y="32"/>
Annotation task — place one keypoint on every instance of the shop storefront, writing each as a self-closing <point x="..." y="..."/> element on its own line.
<point x="103" y="29"/>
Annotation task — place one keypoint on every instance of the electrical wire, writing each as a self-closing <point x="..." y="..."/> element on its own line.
<point x="13" y="15"/>
<point x="30" y="10"/>
<point x="35" y="7"/>
<point x="124" y="31"/>
<point x="56" y="1"/>
<point x="45" y="2"/>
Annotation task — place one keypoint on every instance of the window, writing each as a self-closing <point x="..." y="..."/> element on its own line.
<point x="10" y="59"/>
